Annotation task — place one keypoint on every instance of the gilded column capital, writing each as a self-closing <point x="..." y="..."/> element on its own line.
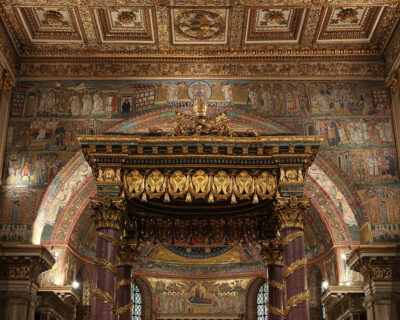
<point x="108" y="212"/>
<point x="271" y="252"/>
<point x="290" y="212"/>
<point x="376" y="262"/>
<point x="128" y="253"/>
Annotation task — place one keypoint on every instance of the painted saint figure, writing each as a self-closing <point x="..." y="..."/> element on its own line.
<point x="74" y="104"/>
<point x="172" y="93"/>
<point x="98" y="104"/>
<point x="227" y="91"/>
<point x="87" y="104"/>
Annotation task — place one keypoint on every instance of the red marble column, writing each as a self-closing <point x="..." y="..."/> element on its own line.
<point x="275" y="291"/>
<point x="291" y="212"/>
<point x="105" y="281"/>
<point x="124" y="282"/>
<point x="107" y="215"/>
<point x="295" y="275"/>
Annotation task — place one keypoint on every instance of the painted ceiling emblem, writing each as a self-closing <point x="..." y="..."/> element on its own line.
<point x="127" y="17"/>
<point x="347" y="15"/>
<point x="200" y="24"/>
<point x="273" y="17"/>
<point x="52" y="17"/>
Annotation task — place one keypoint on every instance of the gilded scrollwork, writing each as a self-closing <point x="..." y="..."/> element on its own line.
<point x="200" y="184"/>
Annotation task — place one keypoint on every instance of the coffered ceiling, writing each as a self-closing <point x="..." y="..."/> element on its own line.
<point x="111" y="29"/>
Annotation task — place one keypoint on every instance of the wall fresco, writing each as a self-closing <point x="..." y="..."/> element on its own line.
<point x="354" y="118"/>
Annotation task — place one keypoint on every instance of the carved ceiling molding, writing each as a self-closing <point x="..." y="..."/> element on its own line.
<point x="392" y="52"/>
<point x="154" y="70"/>
<point x="300" y="29"/>
<point x="234" y="3"/>
<point x="8" y="56"/>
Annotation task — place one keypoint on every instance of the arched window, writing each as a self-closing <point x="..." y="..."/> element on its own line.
<point x="262" y="298"/>
<point x="137" y="302"/>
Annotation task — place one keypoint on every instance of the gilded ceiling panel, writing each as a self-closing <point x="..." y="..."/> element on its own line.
<point x="110" y="29"/>
<point x="273" y="24"/>
<point x="125" y="24"/>
<point x="48" y="24"/>
<point x="200" y="25"/>
<point x="349" y="23"/>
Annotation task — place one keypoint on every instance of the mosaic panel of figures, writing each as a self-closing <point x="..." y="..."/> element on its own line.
<point x="199" y="296"/>
<point x="353" y="117"/>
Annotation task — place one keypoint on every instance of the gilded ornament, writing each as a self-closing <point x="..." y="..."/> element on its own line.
<point x="52" y="17"/>
<point x="134" y="184"/>
<point x="155" y="184"/>
<point x="266" y="185"/>
<point x="200" y="184"/>
<point x="126" y="17"/>
<point x="178" y="184"/>
<point x="243" y="185"/>
<point x="291" y="212"/>
<point x="348" y="15"/>
<point x="108" y="212"/>
<point x="104" y="296"/>
<point x="291" y="237"/>
<point x="298" y="264"/>
<point x="295" y="300"/>
<point x="271" y="252"/>
<point x="222" y="185"/>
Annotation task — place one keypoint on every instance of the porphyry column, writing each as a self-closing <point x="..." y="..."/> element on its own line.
<point x="291" y="212"/>
<point x="271" y="254"/>
<point x="127" y="255"/>
<point x="107" y="214"/>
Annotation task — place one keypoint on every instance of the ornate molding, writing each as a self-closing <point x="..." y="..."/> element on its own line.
<point x="24" y="261"/>
<point x="376" y="262"/>
<point x="291" y="212"/>
<point x="108" y="212"/>
<point x="198" y="68"/>
<point x="208" y="184"/>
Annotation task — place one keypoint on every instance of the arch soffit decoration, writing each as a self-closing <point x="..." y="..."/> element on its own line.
<point x="69" y="193"/>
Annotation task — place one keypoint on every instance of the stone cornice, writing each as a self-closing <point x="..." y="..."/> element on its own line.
<point x="23" y="261"/>
<point x="376" y="262"/>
